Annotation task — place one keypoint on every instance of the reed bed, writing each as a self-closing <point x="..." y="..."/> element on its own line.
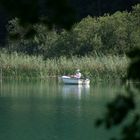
<point x="20" y="66"/>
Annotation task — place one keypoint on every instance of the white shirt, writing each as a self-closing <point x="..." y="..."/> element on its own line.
<point x="78" y="75"/>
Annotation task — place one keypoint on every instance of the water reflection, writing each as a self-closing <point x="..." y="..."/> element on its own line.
<point x="75" y="91"/>
<point x="47" y="110"/>
<point x="28" y="88"/>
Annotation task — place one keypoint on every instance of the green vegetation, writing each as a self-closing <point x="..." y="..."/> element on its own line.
<point x="109" y="34"/>
<point x="25" y="66"/>
<point x="96" y="45"/>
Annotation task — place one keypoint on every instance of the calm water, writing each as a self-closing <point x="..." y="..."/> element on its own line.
<point x="50" y="111"/>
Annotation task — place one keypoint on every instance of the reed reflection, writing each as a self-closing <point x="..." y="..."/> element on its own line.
<point x="76" y="91"/>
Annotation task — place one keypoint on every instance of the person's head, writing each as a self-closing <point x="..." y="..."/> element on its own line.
<point x="78" y="70"/>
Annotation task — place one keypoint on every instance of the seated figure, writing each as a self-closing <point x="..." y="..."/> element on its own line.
<point x="77" y="74"/>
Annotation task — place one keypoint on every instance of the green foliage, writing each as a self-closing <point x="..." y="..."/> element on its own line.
<point x="109" y="34"/>
<point x="100" y="67"/>
<point x="113" y="32"/>
<point x="133" y="69"/>
<point x="62" y="13"/>
<point x="118" y="110"/>
<point x="134" y="54"/>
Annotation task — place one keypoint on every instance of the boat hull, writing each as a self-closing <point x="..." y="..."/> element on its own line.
<point x="75" y="81"/>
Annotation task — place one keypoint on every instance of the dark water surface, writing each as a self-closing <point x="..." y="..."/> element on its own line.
<point x="50" y="111"/>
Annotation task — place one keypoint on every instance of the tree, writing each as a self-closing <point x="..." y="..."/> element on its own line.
<point x="62" y="13"/>
<point x="120" y="107"/>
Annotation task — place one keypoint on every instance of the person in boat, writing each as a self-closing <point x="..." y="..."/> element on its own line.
<point x="77" y="74"/>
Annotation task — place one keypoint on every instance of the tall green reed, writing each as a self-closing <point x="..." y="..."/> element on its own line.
<point x="100" y="66"/>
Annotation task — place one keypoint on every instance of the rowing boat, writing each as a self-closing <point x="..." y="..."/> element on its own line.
<point x="72" y="80"/>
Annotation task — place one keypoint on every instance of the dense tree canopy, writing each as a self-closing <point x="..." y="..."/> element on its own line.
<point x="58" y="14"/>
<point x="109" y="34"/>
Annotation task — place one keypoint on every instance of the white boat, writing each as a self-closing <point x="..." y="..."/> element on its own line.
<point x="71" y="80"/>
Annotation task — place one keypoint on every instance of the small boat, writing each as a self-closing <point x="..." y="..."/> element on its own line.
<point x="72" y="80"/>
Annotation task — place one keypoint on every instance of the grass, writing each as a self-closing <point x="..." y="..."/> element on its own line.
<point x="21" y="66"/>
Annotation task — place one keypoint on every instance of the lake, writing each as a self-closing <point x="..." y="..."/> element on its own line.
<point x="47" y="110"/>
